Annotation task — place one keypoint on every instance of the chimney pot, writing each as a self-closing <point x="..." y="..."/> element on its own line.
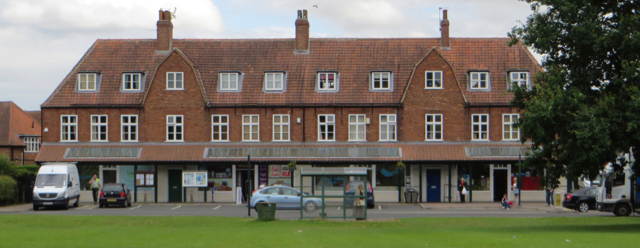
<point x="445" y="43"/>
<point x="302" y="33"/>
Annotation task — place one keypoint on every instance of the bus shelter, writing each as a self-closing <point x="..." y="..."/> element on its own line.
<point x="331" y="201"/>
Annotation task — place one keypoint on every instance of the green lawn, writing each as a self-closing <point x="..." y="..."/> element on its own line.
<point x="127" y="231"/>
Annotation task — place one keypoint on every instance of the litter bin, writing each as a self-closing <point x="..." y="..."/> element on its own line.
<point x="410" y="195"/>
<point x="266" y="211"/>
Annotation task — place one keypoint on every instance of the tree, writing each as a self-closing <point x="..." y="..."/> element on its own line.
<point x="584" y="110"/>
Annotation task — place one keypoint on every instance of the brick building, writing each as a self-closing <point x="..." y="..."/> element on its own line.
<point x="143" y="111"/>
<point x="19" y="134"/>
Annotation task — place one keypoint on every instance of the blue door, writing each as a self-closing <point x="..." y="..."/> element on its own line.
<point x="433" y="185"/>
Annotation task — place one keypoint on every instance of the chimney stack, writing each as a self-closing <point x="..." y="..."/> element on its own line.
<point x="302" y="33"/>
<point x="165" y="31"/>
<point x="444" y="32"/>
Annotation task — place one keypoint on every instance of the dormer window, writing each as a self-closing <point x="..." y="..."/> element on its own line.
<point x="520" y="78"/>
<point x="229" y="81"/>
<point x="479" y="81"/>
<point x="274" y="81"/>
<point x="381" y="81"/>
<point x="131" y="81"/>
<point x="327" y="81"/>
<point x="175" y="81"/>
<point x="87" y="82"/>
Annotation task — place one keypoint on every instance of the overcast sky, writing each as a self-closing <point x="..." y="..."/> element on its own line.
<point x="41" y="40"/>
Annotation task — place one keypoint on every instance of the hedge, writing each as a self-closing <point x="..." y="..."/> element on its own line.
<point x="7" y="190"/>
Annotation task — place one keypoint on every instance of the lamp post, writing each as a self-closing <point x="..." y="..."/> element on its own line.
<point x="248" y="185"/>
<point x="519" y="183"/>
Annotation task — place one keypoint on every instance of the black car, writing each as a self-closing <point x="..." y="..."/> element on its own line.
<point x="581" y="200"/>
<point x="351" y="190"/>
<point x="115" y="194"/>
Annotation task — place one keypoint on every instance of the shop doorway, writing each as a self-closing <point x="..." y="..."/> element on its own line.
<point x="242" y="177"/>
<point x="175" y="186"/>
<point x="499" y="184"/>
<point x="433" y="185"/>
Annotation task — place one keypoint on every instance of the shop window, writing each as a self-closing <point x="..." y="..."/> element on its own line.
<point x="387" y="175"/>
<point x="145" y="179"/>
<point x="220" y="177"/>
<point x="481" y="178"/>
<point x="279" y="175"/>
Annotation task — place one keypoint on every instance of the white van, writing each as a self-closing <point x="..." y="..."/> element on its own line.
<point x="57" y="184"/>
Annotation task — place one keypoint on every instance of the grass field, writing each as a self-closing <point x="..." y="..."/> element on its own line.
<point x="127" y="231"/>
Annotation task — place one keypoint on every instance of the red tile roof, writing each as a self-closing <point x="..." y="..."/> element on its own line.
<point x="15" y="122"/>
<point x="195" y="152"/>
<point x="354" y="59"/>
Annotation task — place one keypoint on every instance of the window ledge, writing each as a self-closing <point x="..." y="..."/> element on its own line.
<point x="434" y="140"/>
<point x="220" y="141"/>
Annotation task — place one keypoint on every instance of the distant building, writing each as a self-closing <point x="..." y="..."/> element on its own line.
<point x="142" y="111"/>
<point x="19" y="134"/>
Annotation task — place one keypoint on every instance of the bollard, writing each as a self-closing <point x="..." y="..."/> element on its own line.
<point x="145" y="197"/>
<point x="191" y="197"/>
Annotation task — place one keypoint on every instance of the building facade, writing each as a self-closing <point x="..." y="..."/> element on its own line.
<point x="19" y="134"/>
<point x="143" y="112"/>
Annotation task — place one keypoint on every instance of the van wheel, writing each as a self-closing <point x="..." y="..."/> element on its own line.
<point x="75" y="205"/>
<point x="35" y="207"/>
<point x="622" y="210"/>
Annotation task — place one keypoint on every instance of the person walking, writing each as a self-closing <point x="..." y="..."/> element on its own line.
<point x="213" y="189"/>
<point x="462" y="189"/>
<point x="94" y="185"/>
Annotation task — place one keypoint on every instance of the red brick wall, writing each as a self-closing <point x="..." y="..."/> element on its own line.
<point x="447" y="101"/>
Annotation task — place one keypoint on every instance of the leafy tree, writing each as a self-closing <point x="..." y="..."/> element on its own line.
<point x="584" y="110"/>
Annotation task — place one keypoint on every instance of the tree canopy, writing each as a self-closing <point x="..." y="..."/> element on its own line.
<point x="584" y="109"/>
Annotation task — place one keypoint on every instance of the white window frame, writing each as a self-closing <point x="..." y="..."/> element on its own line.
<point x="178" y="128"/>
<point x="515" y="77"/>
<point x="381" y="75"/>
<point x="251" y="128"/>
<point x="281" y="128"/>
<point x="131" y="81"/>
<point x="388" y="127"/>
<point x="83" y="78"/>
<point x="358" y="127"/>
<point x="475" y="80"/>
<point x="272" y="76"/>
<point x="72" y="128"/>
<point x="229" y="76"/>
<point x="178" y="78"/>
<point x="98" y="122"/>
<point x="32" y="142"/>
<point x="509" y="132"/>
<point x="126" y="127"/>
<point x="477" y="124"/>
<point x="320" y="83"/>
<point x="329" y="122"/>
<point x="436" y="80"/>
<point x="434" y="127"/>
<point x="221" y="126"/>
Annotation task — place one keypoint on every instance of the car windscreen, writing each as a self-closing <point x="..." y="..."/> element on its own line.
<point x="112" y="188"/>
<point x="51" y="180"/>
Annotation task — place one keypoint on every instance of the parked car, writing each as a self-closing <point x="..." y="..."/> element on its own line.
<point x="581" y="200"/>
<point x="115" y="194"/>
<point x="285" y="198"/>
<point x="351" y="190"/>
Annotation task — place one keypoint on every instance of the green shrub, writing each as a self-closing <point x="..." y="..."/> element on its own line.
<point x="7" y="190"/>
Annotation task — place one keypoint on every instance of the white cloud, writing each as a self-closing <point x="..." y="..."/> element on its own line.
<point x="43" y="39"/>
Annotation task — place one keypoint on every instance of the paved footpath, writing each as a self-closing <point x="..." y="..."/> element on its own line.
<point x="541" y="206"/>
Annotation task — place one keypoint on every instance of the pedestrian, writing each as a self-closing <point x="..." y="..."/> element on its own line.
<point x="94" y="185"/>
<point x="505" y="202"/>
<point x="213" y="189"/>
<point x="462" y="189"/>
<point x="515" y="189"/>
<point x="549" y="195"/>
